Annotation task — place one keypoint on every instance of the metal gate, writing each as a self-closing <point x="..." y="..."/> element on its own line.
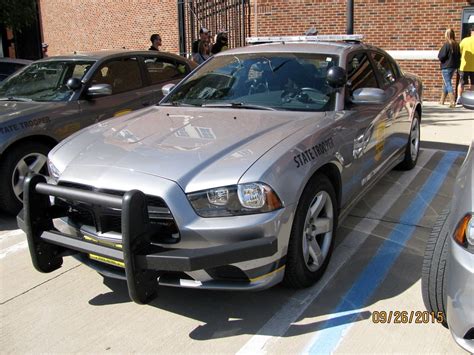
<point x="215" y="15"/>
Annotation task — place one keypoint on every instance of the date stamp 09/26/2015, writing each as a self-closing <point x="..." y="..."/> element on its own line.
<point x="407" y="317"/>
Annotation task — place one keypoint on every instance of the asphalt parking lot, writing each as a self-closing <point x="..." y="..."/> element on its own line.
<point x="374" y="272"/>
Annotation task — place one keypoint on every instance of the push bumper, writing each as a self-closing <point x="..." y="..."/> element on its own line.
<point x="142" y="261"/>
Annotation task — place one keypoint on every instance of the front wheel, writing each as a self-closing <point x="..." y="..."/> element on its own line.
<point x="312" y="235"/>
<point x="433" y="273"/>
<point x="412" y="148"/>
<point x="15" y="167"/>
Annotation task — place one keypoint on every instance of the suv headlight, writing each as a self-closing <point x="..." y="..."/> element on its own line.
<point x="235" y="200"/>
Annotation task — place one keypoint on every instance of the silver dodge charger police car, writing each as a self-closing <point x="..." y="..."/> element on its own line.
<point x="238" y="179"/>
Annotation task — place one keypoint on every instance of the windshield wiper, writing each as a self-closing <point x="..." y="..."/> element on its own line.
<point x="13" y="98"/>
<point x="240" y="105"/>
<point x="175" y="103"/>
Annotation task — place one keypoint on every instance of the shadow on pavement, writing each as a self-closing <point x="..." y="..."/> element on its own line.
<point x="229" y="313"/>
<point x="444" y="146"/>
<point x="223" y="314"/>
<point x="7" y="222"/>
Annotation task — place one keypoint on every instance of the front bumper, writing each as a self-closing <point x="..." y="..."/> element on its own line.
<point x="142" y="261"/>
<point x="460" y="295"/>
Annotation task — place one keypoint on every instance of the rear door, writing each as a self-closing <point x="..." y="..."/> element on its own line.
<point x="128" y="93"/>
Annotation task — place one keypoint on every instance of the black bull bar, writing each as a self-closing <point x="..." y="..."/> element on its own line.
<point x="48" y="246"/>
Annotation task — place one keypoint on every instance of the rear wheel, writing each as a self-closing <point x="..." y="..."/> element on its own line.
<point x="413" y="146"/>
<point x="17" y="164"/>
<point x="312" y="235"/>
<point x="433" y="274"/>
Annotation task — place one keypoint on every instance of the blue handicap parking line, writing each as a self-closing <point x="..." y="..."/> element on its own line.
<point x="375" y="272"/>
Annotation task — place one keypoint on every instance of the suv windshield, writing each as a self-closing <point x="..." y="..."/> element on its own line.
<point x="44" y="81"/>
<point x="278" y="81"/>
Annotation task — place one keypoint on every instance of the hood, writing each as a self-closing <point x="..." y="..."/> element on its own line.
<point x="197" y="148"/>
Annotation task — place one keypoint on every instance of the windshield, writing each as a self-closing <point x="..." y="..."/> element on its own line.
<point x="44" y="81"/>
<point x="278" y="81"/>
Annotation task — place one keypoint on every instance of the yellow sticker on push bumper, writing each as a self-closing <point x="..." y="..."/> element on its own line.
<point x="102" y="242"/>
<point x="109" y="261"/>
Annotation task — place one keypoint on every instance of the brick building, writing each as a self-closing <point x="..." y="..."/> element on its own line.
<point x="412" y="30"/>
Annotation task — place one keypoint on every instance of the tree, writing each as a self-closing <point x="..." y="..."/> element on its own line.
<point x="17" y="14"/>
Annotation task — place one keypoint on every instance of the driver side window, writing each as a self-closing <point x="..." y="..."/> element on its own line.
<point x="385" y="69"/>
<point x="360" y="73"/>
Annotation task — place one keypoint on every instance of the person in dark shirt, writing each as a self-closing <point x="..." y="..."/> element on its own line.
<point x="221" y="44"/>
<point x="449" y="59"/>
<point x="155" y="40"/>
<point x="203" y="37"/>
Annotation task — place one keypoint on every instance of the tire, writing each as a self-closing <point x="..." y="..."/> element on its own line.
<point x="412" y="148"/>
<point x="433" y="273"/>
<point x="34" y="157"/>
<point x="302" y="268"/>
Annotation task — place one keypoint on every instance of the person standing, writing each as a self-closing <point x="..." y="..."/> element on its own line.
<point x="203" y="52"/>
<point x="466" y="70"/>
<point x="221" y="44"/>
<point x="155" y="40"/>
<point x="203" y="37"/>
<point x="449" y="60"/>
<point x="44" y="49"/>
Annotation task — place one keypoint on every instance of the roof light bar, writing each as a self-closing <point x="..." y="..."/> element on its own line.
<point x="319" y="38"/>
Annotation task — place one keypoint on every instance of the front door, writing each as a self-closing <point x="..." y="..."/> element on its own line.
<point x="364" y="127"/>
<point x="128" y="92"/>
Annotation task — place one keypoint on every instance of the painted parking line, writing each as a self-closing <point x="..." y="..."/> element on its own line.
<point x="327" y="339"/>
<point x="291" y="311"/>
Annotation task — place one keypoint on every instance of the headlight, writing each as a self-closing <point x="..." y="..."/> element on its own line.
<point x="235" y="200"/>
<point x="54" y="172"/>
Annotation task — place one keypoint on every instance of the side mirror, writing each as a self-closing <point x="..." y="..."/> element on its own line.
<point x="467" y="99"/>
<point x="166" y="89"/>
<point x="336" y="77"/>
<point x="368" y="96"/>
<point x="99" y="90"/>
<point x="74" y="83"/>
